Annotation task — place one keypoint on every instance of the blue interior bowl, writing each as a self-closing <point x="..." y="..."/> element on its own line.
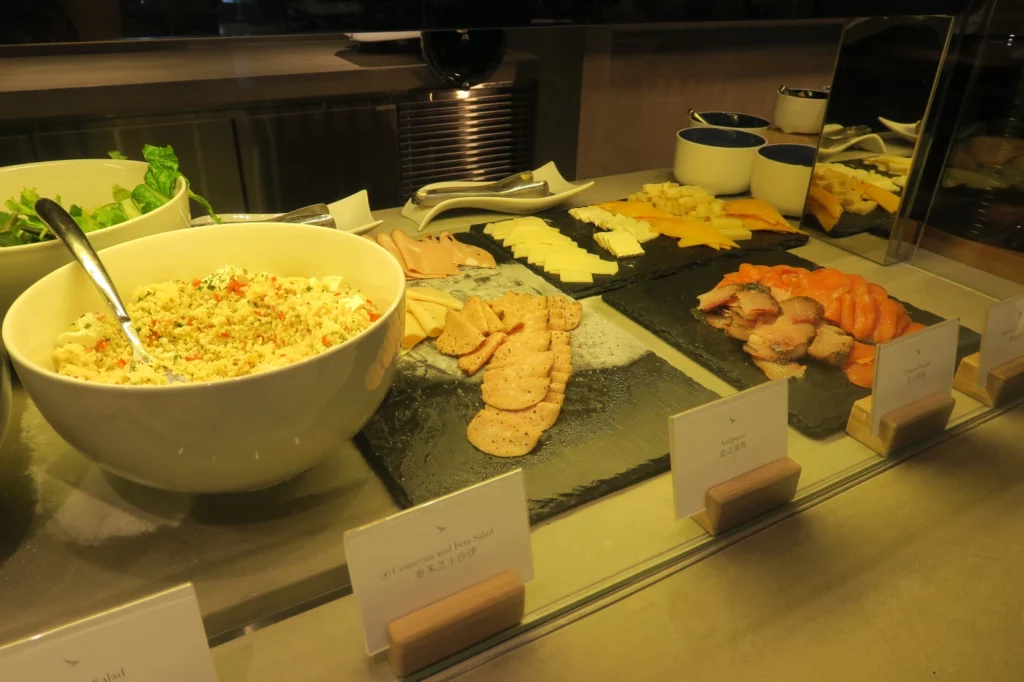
<point x="792" y="154"/>
<point x="722" y="137"/>
<point x="729" y="119"/>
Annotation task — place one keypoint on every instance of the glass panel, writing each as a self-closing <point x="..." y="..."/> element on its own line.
<point x="265" y="124"/>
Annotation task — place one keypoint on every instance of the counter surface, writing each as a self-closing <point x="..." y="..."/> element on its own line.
<point x="76" y="541"/>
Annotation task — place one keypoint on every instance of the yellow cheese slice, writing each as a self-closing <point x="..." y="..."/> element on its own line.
<point x="427" y="322"/>
<point x="413" y="332"/>
<point x="433" y="296"/>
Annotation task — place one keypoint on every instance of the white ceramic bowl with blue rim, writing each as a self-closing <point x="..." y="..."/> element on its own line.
<point x="718" y="159"/>
<point x="781" y="176"/>
<point x="731" y="119"/>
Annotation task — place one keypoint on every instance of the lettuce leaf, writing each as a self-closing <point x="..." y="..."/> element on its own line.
<point x="114" y="154"/>
<point x="109" y="214"/>
<point x="147" y="198"/>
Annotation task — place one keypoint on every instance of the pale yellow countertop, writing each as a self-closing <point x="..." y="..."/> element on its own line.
<point x="82" y="542"/>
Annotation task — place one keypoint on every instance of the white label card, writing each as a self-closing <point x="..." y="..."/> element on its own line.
<point x="407" y="561"/>
<point x="913" y="367"/>
<point x="156" y="639"/>
<point x="1003" y="339"/>
<point x="714" y="443"/>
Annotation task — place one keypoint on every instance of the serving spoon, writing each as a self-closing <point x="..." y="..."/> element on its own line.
<point x="68" y="232"/>
<point x="695" y="115"/>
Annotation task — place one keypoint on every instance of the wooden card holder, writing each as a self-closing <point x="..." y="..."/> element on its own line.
<point x="909" y="424"/>
<point x="742" y="498"/>
<point x="1005" y="383"/>
<point x="454" y="623"/>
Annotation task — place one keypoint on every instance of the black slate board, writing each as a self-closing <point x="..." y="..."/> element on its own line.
<point x="662" y="255"/>
<point x="612" y="433"/>
<point x="819" y="403"/>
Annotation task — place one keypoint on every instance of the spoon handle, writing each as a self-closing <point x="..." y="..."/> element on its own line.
<point x="67" y="230"/>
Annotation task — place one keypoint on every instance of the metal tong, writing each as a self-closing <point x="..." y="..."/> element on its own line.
<point x="518" y="186"/>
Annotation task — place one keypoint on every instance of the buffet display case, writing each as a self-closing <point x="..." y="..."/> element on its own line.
<point x="682" y="204"/>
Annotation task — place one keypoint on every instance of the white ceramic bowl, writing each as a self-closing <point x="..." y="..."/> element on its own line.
<point x="781" y="176"/>
<point x="240" y="434"/>
<point x="88" y="183"/>
<point x="800" y="110"/>
<point x="731" y="119"/>
<point x="718" y="159"/>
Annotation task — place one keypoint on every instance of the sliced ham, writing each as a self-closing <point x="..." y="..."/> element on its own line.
<point x="466" y="254"/>
<point x="569" y="312"/>
<point x="536" y="365"/>
<point x="502" y="434"/>
<point x="424" y="257"/>
<point x="459" y="336"/>
<point x="515" y="393"/>
<point x="494" y="323"/>
<point x="541" y="416"/>
<point x="472" y="362"/>
<point x="474" y="314"/>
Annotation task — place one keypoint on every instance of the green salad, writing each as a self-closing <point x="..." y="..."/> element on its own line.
<point x="19" y="224"/>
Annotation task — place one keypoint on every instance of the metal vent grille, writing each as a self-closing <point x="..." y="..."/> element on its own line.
<point x="485" y="136"/>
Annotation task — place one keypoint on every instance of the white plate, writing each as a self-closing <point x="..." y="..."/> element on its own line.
<point x="904" y="130"/>
<point x="351" y="214"/>
<point x="561" y="191"/>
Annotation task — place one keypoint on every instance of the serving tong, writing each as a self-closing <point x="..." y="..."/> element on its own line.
<point x="518" y="186"/>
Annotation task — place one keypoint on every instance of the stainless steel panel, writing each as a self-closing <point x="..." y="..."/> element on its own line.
<point x="294" y="158"/>
<point x="486" y="134"/>
<point x="205" y="148"/>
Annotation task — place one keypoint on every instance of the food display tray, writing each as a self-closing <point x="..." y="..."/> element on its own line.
<point x="819" y="403"/>
<point x="612" y="431"/>
<point x="662" y="255"/>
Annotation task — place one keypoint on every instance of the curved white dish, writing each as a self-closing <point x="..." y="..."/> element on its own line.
<point x="561" y="190"/>
<point x="870" y="142"/>
<point x="351" y="214"/>
<point x="904" y="130"/>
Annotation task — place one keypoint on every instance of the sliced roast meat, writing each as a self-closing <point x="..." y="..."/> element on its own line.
<point x="776" y="370"/>
<point x="831" y="345"/>
<point x="716" y="298"/>
<point x="802" y="309"/>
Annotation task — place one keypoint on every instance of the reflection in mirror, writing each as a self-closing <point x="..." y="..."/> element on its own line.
<point x="862" y="190"/>
<point x="977" y="214"/>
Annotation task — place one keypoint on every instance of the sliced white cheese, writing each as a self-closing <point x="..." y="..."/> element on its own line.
<point x="433" y="296"/>
<point x="621" y="244"/>
<point x="576" y="277"/>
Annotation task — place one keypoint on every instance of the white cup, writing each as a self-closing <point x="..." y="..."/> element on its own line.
<point x="718" y="159"/>
<point x="730" y="119"/>
<point x="800" y="110"/>
<point x="781" y="176"/>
